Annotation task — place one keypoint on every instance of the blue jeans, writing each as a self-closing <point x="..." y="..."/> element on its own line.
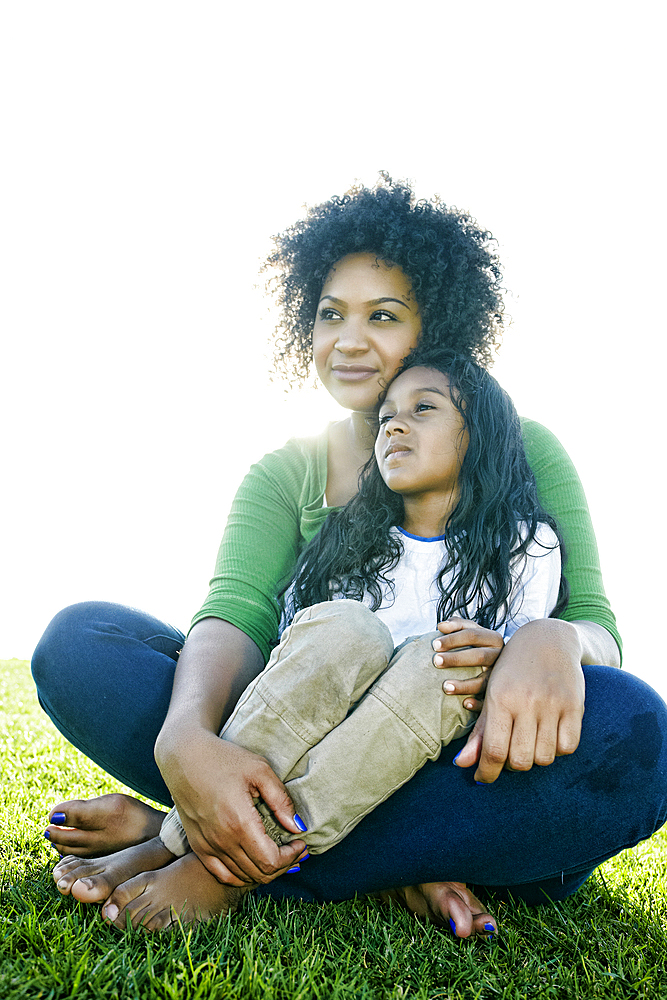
<point x="104" y="675"/>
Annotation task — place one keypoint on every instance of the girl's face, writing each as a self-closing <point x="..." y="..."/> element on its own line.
<point x="367" y="321"/>
<point x="422" y="439"/>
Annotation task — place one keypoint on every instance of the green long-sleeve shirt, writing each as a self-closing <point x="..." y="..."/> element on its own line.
<point x="278" y="509"/>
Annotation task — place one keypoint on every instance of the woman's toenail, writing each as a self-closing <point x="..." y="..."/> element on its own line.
<point x="62" y="884"/>
<point x="293" y="869"/>
<point x="58" y="819"/>
<point x="47" y="835"/>
<point x="452" y="925"/>
<point x="490" y="928"/>
<point x="111" y="911"/>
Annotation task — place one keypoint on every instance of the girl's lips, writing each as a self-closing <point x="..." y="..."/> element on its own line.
<point x="395" y="452"/>
<point x="352" y="373"/>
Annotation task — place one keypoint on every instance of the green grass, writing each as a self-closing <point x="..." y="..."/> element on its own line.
<point x="610" y="940"/>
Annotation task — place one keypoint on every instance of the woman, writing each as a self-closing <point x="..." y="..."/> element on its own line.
<point x="360" y="276"/>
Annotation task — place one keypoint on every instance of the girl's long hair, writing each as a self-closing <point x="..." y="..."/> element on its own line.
<point x="486" y="536"/>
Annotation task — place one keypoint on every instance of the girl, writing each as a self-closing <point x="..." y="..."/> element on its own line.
<point x="446" y="523"/>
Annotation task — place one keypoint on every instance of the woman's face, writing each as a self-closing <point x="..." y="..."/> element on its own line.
<point x="367" y="321"/>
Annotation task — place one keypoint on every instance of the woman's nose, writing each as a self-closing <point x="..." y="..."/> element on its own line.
<point x="351" y="337"/>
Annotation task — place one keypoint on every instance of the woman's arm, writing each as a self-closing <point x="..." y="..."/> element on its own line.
<point x="535" y="693"/>
<point x="534" y="699"/>
<point x="213" y="782"/>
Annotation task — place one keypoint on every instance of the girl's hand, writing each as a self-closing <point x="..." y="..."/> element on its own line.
<point x="534" y="702"/>
<point x="467" y="644"/>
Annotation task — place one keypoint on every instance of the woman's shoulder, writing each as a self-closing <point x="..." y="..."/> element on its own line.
<point x="296" y="453"/>
<point x="296" y="472"/>
<point x="546" y="455"/>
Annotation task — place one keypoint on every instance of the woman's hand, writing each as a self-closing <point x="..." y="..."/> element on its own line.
<point x="213" y="782"/>
<point x="467" y="644"/>
<point x="534" y="702"/>
<point x="223" y="827"/>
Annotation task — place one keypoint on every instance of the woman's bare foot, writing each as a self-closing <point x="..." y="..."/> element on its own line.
<point x="93" y="880"/>
<point x="446" y="904"/>
<point x="184" y="892"/>
<point x="89" y="828"/>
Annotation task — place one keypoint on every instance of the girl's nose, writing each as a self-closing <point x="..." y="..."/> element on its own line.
<point x="395" y="426"/>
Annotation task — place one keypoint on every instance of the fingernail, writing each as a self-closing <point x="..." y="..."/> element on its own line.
<point x="468" y="705"/>
<point x="437" y="644"/>
<point x="293" y="869"/>
<point x="111" y="911"/>
<point x="58" y="819"/>
<point x="438" y="660"/>
<point x="449" y="686"/>
<point x="453" y="926"/>
<point x="47" y="835"/>
<point x="300" y="823"/>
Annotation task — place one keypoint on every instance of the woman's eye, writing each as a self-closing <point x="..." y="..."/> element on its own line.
<point x="382" y="315"/>
<point x="328" y="313"/>
<point x="383" y="418"/>
<point x="423" y="406"/>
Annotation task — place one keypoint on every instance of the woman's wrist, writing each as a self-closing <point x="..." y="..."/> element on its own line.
<point x="543" y="634"/>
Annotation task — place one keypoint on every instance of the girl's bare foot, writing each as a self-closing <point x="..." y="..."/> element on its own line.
<point x="94" y="879"/>
<point x="184" y="891"/>
<point x="93" y="827"/>
<point x="446" y="904"/>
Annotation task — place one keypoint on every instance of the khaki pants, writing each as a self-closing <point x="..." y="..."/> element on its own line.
<point x="342" y="718"/>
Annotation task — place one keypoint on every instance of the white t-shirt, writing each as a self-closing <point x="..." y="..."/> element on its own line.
<point x="412" y="610"/>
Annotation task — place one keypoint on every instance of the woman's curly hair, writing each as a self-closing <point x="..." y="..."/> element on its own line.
<point x="449" y="260"/>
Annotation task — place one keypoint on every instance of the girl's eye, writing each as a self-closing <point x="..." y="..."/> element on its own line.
<point x="423" y="406"/>
<point x="382" y="316"/>
<point x="383" y="418"/>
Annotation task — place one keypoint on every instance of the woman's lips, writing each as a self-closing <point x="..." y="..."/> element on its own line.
<point x="353" y="373"/>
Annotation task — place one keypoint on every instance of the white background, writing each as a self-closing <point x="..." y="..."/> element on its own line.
<point x="150" y="150"/>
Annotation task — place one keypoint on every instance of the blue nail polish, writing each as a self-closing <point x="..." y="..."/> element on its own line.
<point x="480" y="782"/>
<point x="47" y="835"/>
<point x="303" y="857"/>
<point x="300" y="823"/>
<point x="293" y="869"/>
<point x="453" y="926"/>
<point x="58" y="819"/>
<point x="457" y="756"/>
<point x="490" y="928"/>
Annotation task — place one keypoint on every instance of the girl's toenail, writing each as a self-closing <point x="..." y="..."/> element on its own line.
<point x="293" y="869"/>
<point x="62" y="884"/>
<point x="58" y="819"/>
<point x="47" y="835"/>
<point x="490" y="928"/>
<point x="111" y="911"/>
<point x="452" y="925"/>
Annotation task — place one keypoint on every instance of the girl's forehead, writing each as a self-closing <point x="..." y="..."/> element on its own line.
<point x="418" y="379"/>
